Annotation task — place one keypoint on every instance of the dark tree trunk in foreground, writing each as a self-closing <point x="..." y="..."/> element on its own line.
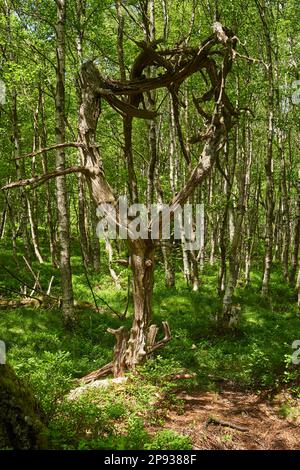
<point x="61" y="190"/>
<point x="21" y="425"/>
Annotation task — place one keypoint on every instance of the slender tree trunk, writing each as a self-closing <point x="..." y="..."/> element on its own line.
<point x="285" y="213"/>
<point x="225" y="224"/>
<point x="82" y="209"/>
<point x="82" y="219"/>
<point x="33" y="232"/>
<point x="20" y="170"/>
<point x="3" y="221"/>
<point x="173" y="152"/>
<point x="298" y="288"/>
<point x="16" y="153"/>
<point x="250" y="223"/>
<point x="32" y="203"/>
<point x="152" y="126"/>
<point x="166" y="249"/>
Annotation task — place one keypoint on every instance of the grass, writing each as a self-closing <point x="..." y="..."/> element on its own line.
<point x="257" y="356"/>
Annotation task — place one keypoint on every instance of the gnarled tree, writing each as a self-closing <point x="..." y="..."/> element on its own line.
<point x="213" y="58"/>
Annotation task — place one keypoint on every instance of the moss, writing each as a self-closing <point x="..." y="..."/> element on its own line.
<point x="21" y="423"/>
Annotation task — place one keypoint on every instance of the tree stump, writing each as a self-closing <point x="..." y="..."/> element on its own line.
<point x="21" y="424"/>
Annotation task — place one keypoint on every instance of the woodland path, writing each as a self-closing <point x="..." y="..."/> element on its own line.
<point x="265" y="428"/>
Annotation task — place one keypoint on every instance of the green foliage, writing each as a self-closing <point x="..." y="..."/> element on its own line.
<point x="100" y="420"/>
<point x="257" y="356"/>
<point x="49" y="375"/>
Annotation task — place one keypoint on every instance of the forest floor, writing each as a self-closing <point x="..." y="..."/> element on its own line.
<point x="210" y="420"/>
